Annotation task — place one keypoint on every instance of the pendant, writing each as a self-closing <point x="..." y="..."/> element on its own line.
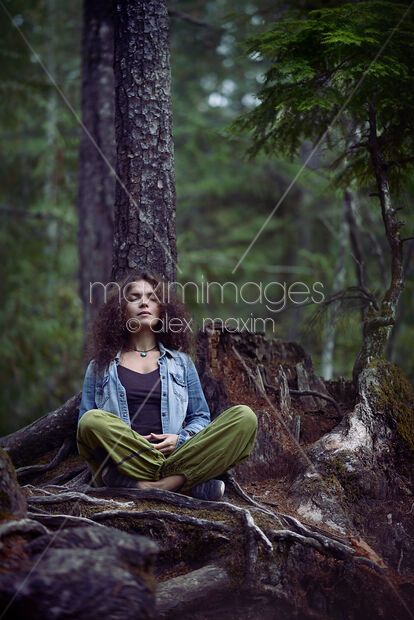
<point x="143" y="353"/>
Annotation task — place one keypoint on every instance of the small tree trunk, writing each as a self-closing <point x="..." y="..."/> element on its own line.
<point x="96" y="192"/>
<point x="144" y="235"/>
<point x="378" y="322"/>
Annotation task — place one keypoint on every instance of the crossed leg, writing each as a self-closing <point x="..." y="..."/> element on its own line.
<point x="222" y="444"/>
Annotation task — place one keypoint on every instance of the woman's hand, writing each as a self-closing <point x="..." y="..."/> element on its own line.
<point x="168" y="442"/>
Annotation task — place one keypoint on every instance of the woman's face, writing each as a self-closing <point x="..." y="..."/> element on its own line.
<point x="142" y="303"/>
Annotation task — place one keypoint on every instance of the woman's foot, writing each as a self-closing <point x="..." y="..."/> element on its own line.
<point x="170" y="483"/>
<point x="111" y="477"/>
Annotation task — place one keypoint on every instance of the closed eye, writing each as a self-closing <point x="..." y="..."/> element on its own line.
<point x="135" y="297"/>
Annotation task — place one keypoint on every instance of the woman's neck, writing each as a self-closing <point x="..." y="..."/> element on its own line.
<point x="142" y="342"/>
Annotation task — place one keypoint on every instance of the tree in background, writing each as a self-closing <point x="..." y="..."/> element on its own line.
<point x="40" y="315"/>
<point x="347" y="70"/>
<point x="96" y="180"/>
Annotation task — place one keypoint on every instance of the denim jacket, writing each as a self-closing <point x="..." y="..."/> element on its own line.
<point x="184" y="409"/>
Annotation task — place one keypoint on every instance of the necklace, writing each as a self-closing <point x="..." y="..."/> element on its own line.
<point x="142" y="353"/>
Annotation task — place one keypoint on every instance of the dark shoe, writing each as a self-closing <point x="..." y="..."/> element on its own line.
<point x="212" y="490"/>
<point x="111" y="477"/>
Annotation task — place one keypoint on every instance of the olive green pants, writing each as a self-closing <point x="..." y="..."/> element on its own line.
<point x="222" y="444"/>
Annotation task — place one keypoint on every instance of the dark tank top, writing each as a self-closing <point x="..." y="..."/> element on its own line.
<point x="143" y="392"/>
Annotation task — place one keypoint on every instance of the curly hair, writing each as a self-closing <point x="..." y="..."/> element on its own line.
<point x="108" y="332"/>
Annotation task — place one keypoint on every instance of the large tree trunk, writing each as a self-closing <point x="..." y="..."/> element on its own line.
<point x="96" y="186"/>
<point x="145" y="191"/>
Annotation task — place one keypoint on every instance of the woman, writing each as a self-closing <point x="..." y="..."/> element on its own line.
<point x="143" y="419"/>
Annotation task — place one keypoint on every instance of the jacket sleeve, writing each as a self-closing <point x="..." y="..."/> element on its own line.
<point x="198" y="414"/>
<point x="88" y="391"/>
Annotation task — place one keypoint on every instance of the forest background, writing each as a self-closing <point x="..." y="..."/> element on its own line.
<point x="223" y="200"/>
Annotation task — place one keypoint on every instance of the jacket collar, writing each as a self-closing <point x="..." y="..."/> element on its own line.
<point x="163" y="350"/>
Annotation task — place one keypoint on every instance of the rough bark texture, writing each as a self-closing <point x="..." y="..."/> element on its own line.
<point x="321" y="528"/>
<point x="145" y="190"/>
<point x="96" y="182"/>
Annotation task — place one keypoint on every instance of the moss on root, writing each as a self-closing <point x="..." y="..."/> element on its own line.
<point x="394" y="394"/>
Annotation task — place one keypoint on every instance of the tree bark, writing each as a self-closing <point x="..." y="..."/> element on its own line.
<point x="96" y="181"/>
<point x="378" y="321"/>
<point x="144" y="235"/>
<point x="391" y="223"/>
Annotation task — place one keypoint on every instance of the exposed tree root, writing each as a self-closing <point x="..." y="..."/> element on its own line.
<point x="314" y="393"/>
<point x="82" y="476"/>
<point x="25" y="473"/>
<point x="253" y="533"/>
<point x="162" y="515"/>
<point x="240" y="492"/>
<point x="54" y="521"/>
<point x="315" y="532"/>
<point x="63" y="498"/>
<point x="325" y="544"/>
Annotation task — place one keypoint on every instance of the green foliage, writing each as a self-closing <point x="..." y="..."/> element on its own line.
<point x="323" y="71"/>
<point x="41" y="315"/>
<point x="326" y="67"/>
